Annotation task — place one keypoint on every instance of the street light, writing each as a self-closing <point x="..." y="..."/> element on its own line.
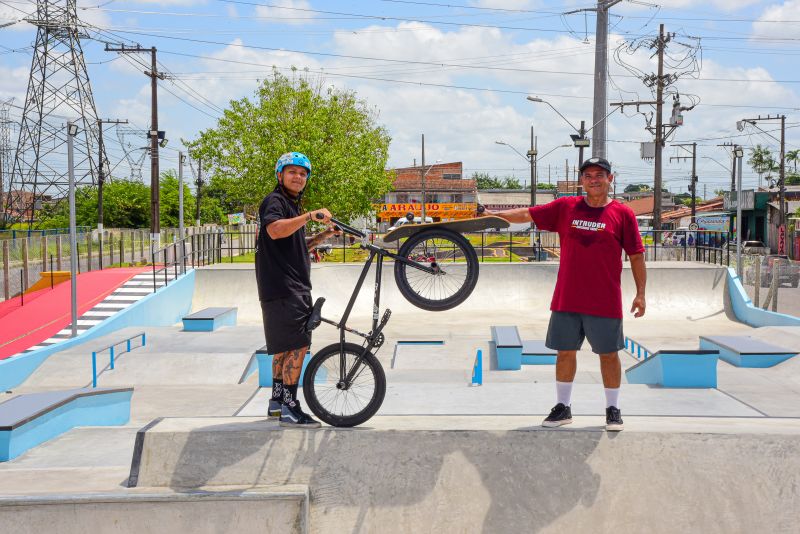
<point x="72" y="131"/>
<point x="580" y="141"/>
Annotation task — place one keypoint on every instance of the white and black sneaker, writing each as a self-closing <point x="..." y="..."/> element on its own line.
<point x="613" y="419"/>
<point x="274" y="409"/>
<point x="560" y="415"/>
<point x="293" y="416"/>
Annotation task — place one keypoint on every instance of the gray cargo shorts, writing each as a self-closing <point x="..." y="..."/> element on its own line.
<point x="567" y="331"/>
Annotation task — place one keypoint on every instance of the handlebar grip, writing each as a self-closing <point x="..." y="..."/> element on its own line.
<point x="319" y="216"/>
<point x="481" y="208"/>
<point x="347" y="228"/>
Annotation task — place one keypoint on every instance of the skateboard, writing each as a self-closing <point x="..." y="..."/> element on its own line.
<point x="465" y="225"/>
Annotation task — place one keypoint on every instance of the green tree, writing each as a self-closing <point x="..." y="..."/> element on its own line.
<point x="485" y="181"/>
<point x="540" y="185"/>
<point x="126" y="204"/>
<point x="511" y="182"/>
<point x="635" y="188"/>
<point x="793" y="156"/>
<point x="762" y="161"/>
<point x="338" y="132"/>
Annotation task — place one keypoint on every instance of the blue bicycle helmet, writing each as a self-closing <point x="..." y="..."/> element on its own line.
<point x="293" y="158"/>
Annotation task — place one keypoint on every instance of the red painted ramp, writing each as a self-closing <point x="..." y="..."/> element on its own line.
<point x="47" y="311"/>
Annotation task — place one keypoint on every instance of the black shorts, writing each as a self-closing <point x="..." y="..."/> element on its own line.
<point x="567" y="331"/>
<point x="285" y="323"/>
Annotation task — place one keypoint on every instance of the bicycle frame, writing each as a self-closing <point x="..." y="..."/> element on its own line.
<point x="373" y="338"/>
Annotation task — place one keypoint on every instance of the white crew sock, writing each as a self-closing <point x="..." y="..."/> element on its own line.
<point x="612" y="397"/>
<point x="564" y="392"/>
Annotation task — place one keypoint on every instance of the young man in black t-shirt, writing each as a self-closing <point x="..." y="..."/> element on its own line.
<point x="283" y="273"/>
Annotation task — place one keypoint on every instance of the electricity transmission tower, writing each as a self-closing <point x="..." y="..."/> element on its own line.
<point x="58" y="90"/>
<point x="132" y="141"/>
<point x="6" y="154"/>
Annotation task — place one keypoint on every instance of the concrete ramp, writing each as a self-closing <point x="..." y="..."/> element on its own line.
<point x="254" y="510"/>
<point x="497" y="474"/>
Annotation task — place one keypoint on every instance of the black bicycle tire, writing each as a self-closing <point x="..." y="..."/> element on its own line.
<point x="309" y="391"/>
<point x="461" y="295"/>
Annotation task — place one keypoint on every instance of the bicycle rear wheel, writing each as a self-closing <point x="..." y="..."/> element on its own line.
<point x="333" y="402"/>
<point x="451" y="256"/>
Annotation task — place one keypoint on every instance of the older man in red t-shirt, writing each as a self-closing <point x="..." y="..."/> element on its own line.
<point x="587" y="301"/>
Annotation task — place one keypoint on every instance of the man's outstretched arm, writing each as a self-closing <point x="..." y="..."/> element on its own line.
<point x="640" y="278"/>
<point x="516" y="215"/>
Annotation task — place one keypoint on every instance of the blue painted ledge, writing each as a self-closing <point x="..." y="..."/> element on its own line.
<point x="165" y="307"/>
<point x="677" y="369"/>
<point x="83" y="407"/>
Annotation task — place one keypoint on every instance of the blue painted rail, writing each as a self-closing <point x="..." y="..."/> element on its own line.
<point x="635" y="349"/>
<point x="477" y="370"/>
<point x="112" y="351"/>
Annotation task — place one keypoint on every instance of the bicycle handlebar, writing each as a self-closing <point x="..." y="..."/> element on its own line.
<point x="344" y="227"/>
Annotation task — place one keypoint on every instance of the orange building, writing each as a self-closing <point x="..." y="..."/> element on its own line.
<point x="448" y="195"/>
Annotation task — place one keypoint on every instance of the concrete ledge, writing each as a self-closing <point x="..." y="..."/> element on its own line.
<point x="508" y="347"/>
<point x="534" y="352"/>
<point x="677" y="369"/>
<point x="251" y="510"/>
<point x="419" y="477"/>
<point x="35" y="418"/>
<point x="209" y="319"/>
<point x="744" y="351"/>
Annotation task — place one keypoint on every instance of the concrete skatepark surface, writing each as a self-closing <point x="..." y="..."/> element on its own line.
<point x="440" y="454"/>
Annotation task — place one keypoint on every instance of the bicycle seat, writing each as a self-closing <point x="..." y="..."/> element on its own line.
<point x="315" y="318"/>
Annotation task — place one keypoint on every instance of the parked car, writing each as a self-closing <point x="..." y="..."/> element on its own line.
<point x="787" y="272"/>
<point x="754" y="247"/>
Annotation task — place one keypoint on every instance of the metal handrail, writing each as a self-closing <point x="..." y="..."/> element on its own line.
<point x="111" y="358"/>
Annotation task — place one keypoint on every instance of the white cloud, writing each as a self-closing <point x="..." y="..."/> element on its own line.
<point x="779" y="21"/>
<point x="286" y="12"/>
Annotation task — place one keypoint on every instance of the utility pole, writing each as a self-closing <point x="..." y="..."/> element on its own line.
<point x="154" y="134"/>
<point x="600" y="75"/>
<point x="101" y="180"/>
<point x="423" y="179"/>
<point x="732" y="146"/>
<point x="657" y="178"/>
<point x="781" y="176"/>
<point x="199" y="185"/>
<point x="181" y="159"/>
<point x="693" y="185"/>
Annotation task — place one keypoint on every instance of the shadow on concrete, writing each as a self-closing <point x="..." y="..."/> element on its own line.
<point x="365" y="480"/>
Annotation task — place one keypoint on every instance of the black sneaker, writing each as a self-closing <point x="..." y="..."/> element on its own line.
<point x="613" y="419"/>
<point x="274" y="409"/>
<point x="560" y="415"/>
<point x="294" y="416"/>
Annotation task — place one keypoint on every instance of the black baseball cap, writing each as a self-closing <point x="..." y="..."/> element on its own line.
<point x="596" y="162"/>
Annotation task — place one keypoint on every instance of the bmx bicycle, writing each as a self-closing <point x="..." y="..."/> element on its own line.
<point x="435" y="269"/>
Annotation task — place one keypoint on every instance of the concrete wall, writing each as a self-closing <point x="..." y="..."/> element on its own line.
<point x="523" y="480"/>
<point x="256" y="511"/>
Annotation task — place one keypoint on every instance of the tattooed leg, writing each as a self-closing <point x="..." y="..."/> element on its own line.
<point x="292" y="367"/>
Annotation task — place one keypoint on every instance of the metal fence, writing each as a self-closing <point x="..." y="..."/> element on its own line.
<point x="25" y="258"/>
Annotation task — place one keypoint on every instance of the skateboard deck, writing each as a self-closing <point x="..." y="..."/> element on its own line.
<point x="465" y="225"/>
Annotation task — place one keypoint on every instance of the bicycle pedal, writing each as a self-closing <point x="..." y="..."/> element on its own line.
<point x="315" y="318"/>
<point x="385" y="318"/>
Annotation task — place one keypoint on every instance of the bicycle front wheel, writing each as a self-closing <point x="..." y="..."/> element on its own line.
<point x="455" y="264"/>
<point x="334" y="400"/>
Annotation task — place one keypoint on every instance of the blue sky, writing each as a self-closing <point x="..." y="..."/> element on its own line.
<point x="457" y="71"/>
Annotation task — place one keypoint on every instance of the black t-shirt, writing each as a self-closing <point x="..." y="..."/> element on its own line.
<point x="283" y="267"/>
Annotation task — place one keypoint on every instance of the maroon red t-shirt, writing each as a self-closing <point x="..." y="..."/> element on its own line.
<point x="592" y="241"/>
